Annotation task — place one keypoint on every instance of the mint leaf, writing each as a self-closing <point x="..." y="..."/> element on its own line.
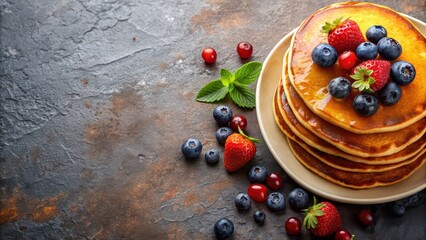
<point x="225" y="74"/>
<point x="212" y="91"/>
<point x="248" y="73"/>
<point x="243" y="96"/>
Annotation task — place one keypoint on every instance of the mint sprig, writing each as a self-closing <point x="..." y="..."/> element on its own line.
<point x="235" y="84"/>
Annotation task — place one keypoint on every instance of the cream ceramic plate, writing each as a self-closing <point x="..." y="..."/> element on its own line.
<point x="277" y="142"/>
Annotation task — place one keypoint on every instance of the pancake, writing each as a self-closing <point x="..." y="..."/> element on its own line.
<point x="356" y="180"/>
<point x="310" y="81"/>
<point x="363" y="145"/>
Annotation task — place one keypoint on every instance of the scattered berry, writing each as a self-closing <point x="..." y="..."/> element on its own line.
<point x="275" y="181"/>
<point x="322" y="219"/>
<point x="293" y="226"/>
<point x="223" y="228"/>
<point x="371" y="75"/>
<point x="212" y="156"/>
<point x="390" y="94"/>
<point x="343" y="35"/>
<point x="324" y="55"/>
<point x="239" y="150"/>
<point x="402" y="72"/>
<point x="365" y="217"/>
<point x="375" y="33"/>
<point x="347" y="60"/>
<point x="238" y="121"/>
<point x="258" y="174"/>
<point x="259" y="217"/>
<point x="339" y="87"/>
<point x="367" y="51"/>
<point x="244" y="49"/>
<point x="276" y="201"/>
<point x="397" y="209"/>
<point x="222" y="115"/>
<point x="365" y="104"/>
<point x="222" y="134"/>
<point x="298" y="199"/>
<point x="343" y="235"/>
<point x="258" y="192"/>
<point x="389" y="48"/>
<point x="242" y="202"/>
<point x="209" y="55"/>
<point x="191" y="148"/>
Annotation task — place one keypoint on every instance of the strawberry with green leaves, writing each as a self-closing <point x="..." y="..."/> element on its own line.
<point x="343" y="35"/>
<point x="239" y="150"/>
<point x="322" y="219"/>
<point x="371" y="75"/>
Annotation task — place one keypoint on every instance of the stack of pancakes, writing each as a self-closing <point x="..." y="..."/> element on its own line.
<point x="327" y="136"/>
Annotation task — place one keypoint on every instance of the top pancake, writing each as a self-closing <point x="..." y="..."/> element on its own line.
<point x="310" y="80"/>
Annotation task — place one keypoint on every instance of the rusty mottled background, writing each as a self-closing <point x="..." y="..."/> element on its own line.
<point x="97" y="97"/>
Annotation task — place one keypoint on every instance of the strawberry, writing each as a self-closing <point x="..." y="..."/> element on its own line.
<point x="239" y="150"/>
<point x="322" y="219"/>
<point x="371" y="75"/>
<point x="343" y="35"/>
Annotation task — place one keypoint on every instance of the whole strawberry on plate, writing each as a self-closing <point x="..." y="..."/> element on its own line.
<point x="343" y="35"/>
<point x="239" y="150"/>
<point x="371" y="75"/>
<point x="322" y="219"/>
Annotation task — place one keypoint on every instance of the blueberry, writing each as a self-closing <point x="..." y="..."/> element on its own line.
<point x="222" y="134"/>
<point x="223" y="228"/>
<point x="375" y="33"/>
<point x="402" y="72"/>
<point x="389" y="48"/>
<point x="222" y="115"/>
<point x="365" y="104"/>
<point x="298" y="199"/>
<point x="367" y="51"/>
<point x="389" y="94"/>
<point x="339" y="87"/>
<point x="212" y="156"/>
<point x="276" y="201"/>
<point x="324" y="55"/>
<point x="259" y="217"/>
<point x="242" y="201"/>
<point x="397" y="209"/>
<point x="258" y="174"/>
<point x="191" y="148"/>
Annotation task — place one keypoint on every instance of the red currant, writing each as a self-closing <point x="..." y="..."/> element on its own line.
<point x="343" y="235"/>
<point x="347" y="60"/>
<point x="293" y="226"/>
<point x="209" y="55"/>
<point x="365" y="216"/>
<point x="274" y="181"/>
<point x="258" y="192"/>
<point x="244" y="49"/>
<point x="238" y="121"/>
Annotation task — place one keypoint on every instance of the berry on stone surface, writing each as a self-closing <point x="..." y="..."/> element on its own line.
<point x="222" y="134"/>
<point x="343" y="34"/>
<point x="402" y="72"/>
<point x="343" y="235"/>
<point x="209" y="55"/>
<point x="242" y="201"/>
<point x="276" y="201"/>
<point x="223" y="228"/>
<point x="347" y="60"/>
<point x="274" y="181"/>
<point x="365" y="217"/>
<point x="191" y="148"/>
<point x="259" y="217"/>
<point x="389" y="48"/>
<point x="293" y="226"/>
<point x="258" y="192"/>
<point x="365" y="104"/>
<point x="238" y="121"/>
<point x="324" y="55"/>
<point x="239" y="150"/>
<point x="322" y="219"/>
<point x="258" y="174"/>
<point x="222" y="115"/>
<point x="375" y="33"/>
<point x="298" y="199"/>
<point x="390" y="94"/>
<point x="397" y="209"/>
<point x="244" y="49"/>
<point x="339" y="87"/>
<point x="367" y="51"/>
<point x="212" y="156"/>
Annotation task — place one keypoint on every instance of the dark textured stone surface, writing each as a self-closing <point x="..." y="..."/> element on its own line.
<point x="96" y="99"/>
